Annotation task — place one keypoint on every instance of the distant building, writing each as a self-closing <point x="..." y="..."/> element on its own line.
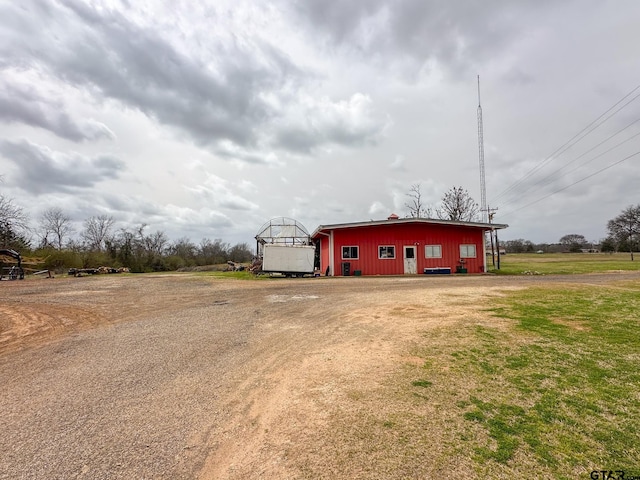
<point x="399" y="246"/>
<point x="503" y="251"/>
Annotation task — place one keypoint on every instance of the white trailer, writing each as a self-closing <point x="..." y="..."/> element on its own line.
<point x="288" y="259"/>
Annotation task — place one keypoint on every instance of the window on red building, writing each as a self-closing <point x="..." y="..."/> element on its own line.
<point x="349" y="252"/>
<point x="386" y="251"/>
<point x="467" y="251"/>
<point x="433" y="251"/>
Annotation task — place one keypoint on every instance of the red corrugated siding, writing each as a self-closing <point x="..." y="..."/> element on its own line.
<point x="324" y="254"/>
<point x="368" y="239"/>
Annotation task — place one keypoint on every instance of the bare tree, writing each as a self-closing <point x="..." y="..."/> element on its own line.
<point x="97" y="230"/>
<point x="415" y="206"/>
<point x="184" y="248"/>
<point x="212" y="252"/>
<point x="54" y="222"/>
<point x="519" y="245"/>
<point x="240" y="252"/>
<point x="625" y="228"/>
<point x="13" y="223"/>
<point x="155" y="243"/>
<point x="458" y="205"/>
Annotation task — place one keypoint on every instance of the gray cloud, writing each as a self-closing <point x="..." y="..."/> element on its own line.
<point x="317" y="123"/>
<point x="143" y="70"/>
<point x="131" y="212"/>
<point x="232" y="151"/>
<point x="458" y="36"/>
<point x="518" y="77"/>
<point x="220" y="90"/>
<point x="41" y="170"/>
<point x="175" y="221"/>
<point x="398" y="164"/>
<point x="212" y="99"/>
<point x="221" y="193"/>
<point x="342" y="21"/>
<point x="26" y="105"/>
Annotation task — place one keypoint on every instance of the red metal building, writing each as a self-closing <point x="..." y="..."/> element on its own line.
<point x="398" y="246"/>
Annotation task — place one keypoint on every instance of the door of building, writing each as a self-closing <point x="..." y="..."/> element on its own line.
<point x="410" y="265"/>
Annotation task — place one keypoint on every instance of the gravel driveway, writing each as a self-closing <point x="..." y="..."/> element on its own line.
<point x="185" y="376"/>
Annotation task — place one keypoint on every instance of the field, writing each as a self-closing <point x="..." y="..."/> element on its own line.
<point x="564" y="263"/>
<point x="555" y="389"/>
<point x="218" y="376"/>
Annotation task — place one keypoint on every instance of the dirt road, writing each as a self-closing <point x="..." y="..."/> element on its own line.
<point x="186" y="376"/>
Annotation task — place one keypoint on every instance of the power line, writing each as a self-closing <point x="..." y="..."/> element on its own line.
<point x="573" y="140"/>
<point x="574" y="183"/>
<point x="601" y="154"/>
<point x="548" y="179"/>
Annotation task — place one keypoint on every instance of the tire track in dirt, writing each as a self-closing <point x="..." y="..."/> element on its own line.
<point x="26" y="325"/>
<point x="310" y="364"/>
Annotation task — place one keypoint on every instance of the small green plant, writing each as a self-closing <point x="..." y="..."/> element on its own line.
<point x="422" y="383"/>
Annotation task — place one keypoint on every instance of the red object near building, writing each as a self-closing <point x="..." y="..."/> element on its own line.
<point x="399" y="246"/>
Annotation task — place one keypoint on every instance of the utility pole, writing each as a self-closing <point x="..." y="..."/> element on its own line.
<point x="491" y="213"/>
<point x="498" y="248"/>
<point x="492" y="232"/>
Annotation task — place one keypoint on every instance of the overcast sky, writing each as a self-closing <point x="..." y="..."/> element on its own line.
<point x="207" y="119"/>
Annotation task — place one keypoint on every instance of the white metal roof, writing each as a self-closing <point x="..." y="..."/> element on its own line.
<point x="399" y="221"/>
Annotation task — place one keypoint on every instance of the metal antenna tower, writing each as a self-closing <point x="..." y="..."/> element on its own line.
<point x="483" y="186"/>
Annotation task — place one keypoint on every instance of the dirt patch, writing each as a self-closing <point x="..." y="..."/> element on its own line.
<point x="28" y="325"/>
<point x="572" y="324"/>
<point x="286" y="378"/>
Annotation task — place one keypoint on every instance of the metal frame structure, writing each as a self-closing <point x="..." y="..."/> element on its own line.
<point x="13" y="272"/>
<point x="283" y="231"/>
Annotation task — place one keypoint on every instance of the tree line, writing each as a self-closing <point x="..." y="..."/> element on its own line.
<point x="101" y="243"/>
<point x="623" y="235"/>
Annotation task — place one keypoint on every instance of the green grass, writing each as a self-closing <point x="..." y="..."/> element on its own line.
<point x="564" y="263"/>
<point x="422" y="383"/>
<point x="241" y="275"/>
<point x="562" y="388"/>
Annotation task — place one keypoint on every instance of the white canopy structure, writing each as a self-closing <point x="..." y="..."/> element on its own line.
<point x="282" y="231"/>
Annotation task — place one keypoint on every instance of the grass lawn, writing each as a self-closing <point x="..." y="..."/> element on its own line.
<point x="556" y="393"/>
<point x="543" y="382"/>
<point x="563" y="263"/>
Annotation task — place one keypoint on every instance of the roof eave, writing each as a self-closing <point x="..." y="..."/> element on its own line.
<point x="339" y="226"/>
